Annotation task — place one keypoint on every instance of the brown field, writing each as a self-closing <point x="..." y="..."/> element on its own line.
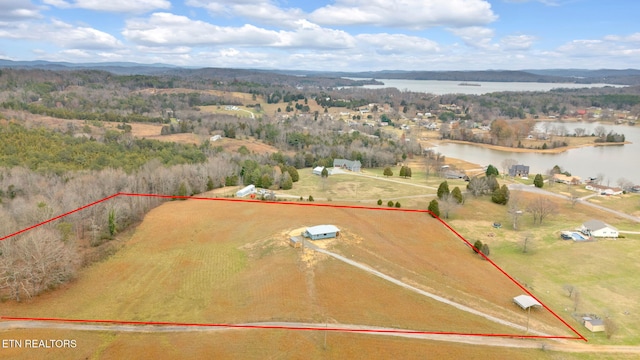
<point x="227" y="262"/>
<point x="266" y="344"/>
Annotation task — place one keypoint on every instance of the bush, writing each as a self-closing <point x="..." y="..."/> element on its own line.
<point x="379" y="201"/>
<point x="397" y="204"/>
<point x="310" y="198"/>
<point x="390" y="203"/>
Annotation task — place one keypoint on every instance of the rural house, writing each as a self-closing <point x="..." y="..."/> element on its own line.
<point x="597" y="228"/>
<point x="569" y="180"/>
<point x="321" y="232"/>
<point x="519" y="171"/>
<point x="594" y="325"/>
<point x="604" y="190"/>
<point x="352" y="165"/>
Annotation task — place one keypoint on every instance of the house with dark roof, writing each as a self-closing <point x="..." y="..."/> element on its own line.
<point x="519" y="171"/>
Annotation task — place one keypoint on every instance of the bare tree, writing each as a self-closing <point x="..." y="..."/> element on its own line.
<point x="507" y="164"/>
<point x="576" y="300"/>
<point x="569" y="289"/>
<point x="514" y="208"/>
<point x="610" y="327"/>
<point x="34" y="263"/>
<point x="579" y="131"/>
<point x="447" y="204"/>
<point x="478" y="185"/>
<point x="540" y="208"/>
<point x="600" y="131"/>
<point x="625" y="184"/>
<point x="573" y="195"/>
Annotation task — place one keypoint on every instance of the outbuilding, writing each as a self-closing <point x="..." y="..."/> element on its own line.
<point x="526" y="302"/>
<point x="249" y="189"/>
<point x="321" y="232"/>
<point x="594" y="325"/>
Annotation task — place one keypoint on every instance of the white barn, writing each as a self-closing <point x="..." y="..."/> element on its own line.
<point x="249" y="189"/>
<point x="318" y="170"/>
<point x="321" y="232"/>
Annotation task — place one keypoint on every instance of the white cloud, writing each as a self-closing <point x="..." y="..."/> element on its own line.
<point x="169" y="29"/>
<point x="165" y="29"/>
<point x="117" y="6"/>
<point x="385" y="44"/>
<point x="69" y="36"/>
<point x="263" y="11"/>
<point x="18" y="10"/>
<point x="414" y="14"/>
<point x="517" y="42"/>
<point x="635" y="37"/>
<point x="475" y="36"/>
<point x="61" y="34"/>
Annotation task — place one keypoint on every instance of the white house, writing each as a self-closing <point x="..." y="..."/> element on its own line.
<point x="597" y="228"/>
<point x="604" y="190"/>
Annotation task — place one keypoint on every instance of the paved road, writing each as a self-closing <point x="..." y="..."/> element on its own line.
<point x="533" y="189"/>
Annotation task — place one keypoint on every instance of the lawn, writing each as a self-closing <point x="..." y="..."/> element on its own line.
<point x="604" y="272"/>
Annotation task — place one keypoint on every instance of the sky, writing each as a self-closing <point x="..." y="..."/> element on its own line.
<point x="330" y="35"/>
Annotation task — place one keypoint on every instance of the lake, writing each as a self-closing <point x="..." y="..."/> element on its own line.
<point x="614" y="162"/>
<point x="439" y="87"/>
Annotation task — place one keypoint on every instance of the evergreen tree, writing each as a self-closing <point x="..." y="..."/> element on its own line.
<point x="478" y="246"/>
<point x="434" y="208"/>
<point x="293" y="172"/>
<point x="379" y="201"/>
<point x="390" y="203"/>
<point x="398" y="204"/>
<point x="402" y="171"/>
<point x="457" y="194"/>
<point x="387" y="171"/>
<point x="501" y="195"/>
<point x="324" y="173"/>
<point x="538" y="181"/>
<point x="443" y="190"/>
<point x="491" y="170"/>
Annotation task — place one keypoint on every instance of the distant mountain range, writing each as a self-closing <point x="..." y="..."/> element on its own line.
<point x="609" y="76"/>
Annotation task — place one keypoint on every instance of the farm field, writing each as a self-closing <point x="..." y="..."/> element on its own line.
<point x="229" y="262"/>
<point x="271" y="344"/>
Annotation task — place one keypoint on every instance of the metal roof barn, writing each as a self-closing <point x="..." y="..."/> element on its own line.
<point x="322" y="232"/>
<point x="526" y="301"/>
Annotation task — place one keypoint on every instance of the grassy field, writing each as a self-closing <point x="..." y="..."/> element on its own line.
<point x="199" y="261"/>
<point x="604" y="272"/>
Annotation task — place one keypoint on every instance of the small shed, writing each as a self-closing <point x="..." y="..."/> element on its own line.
<point x="526" y="302"/>
<point x="594" y="325"/>
<point x="318" y="170"/>
<point x="295" y="241"/>
<point x="321" y="232"/>
<point x="249" y="189"/>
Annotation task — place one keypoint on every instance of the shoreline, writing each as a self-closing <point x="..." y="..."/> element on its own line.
<point x="526" y="150"/>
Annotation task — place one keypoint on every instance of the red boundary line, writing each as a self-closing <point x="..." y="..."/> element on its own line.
<point x="240" y="326"/>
